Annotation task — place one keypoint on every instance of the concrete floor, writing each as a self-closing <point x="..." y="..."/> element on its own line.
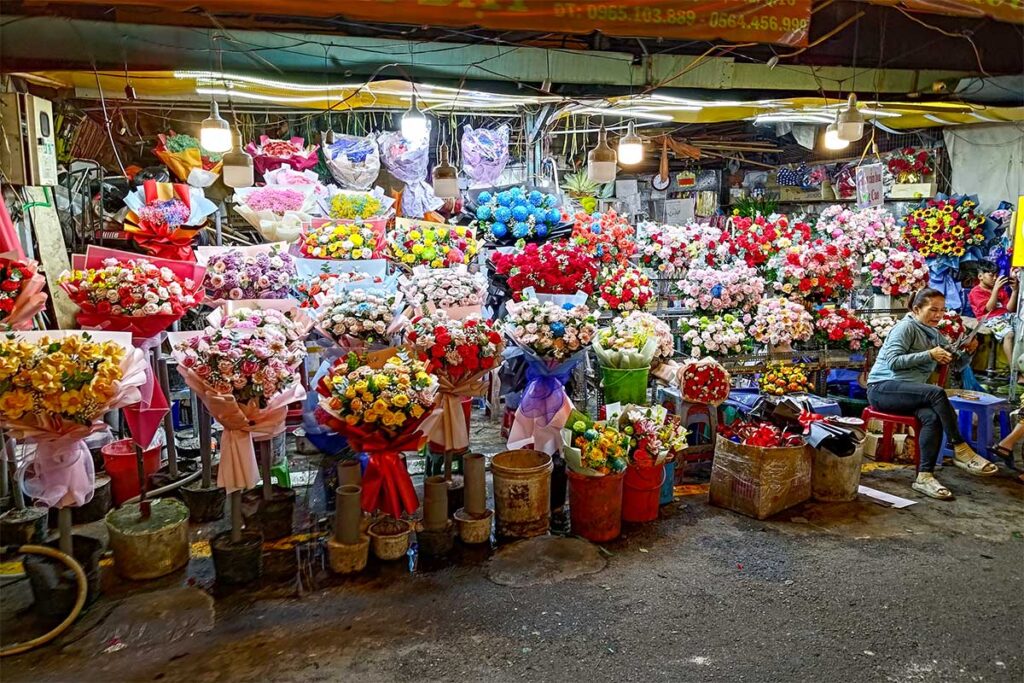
<point x="840" y="592"/>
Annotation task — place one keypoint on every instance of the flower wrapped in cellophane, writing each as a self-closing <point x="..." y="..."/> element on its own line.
<point x="346" y="240"/>
<point x="383" y="404"/>
<point x="245" y="371"/>
<point x="289" y="177"/>
<point x="456" y="290"/>
<point x="55" y="387"/>
<point x="22" y="292"/>
<point x="360" y="318"/>
<point x="624" y="354"/>
<point x="187" y="160"/>
<point x="422" y="243"/>
<point x="703" y="381"/>
<point x="261" y="271"/>
<point x="270" y="154"/>
<point x="461" y="353"/>
<point x="647" y="324"/>
<point x="593" y="449"/>
<point x="278" y="212"/>
<point x="163" y="218"/>
<point x="552" y="339"/>
<point x="353" y="161"/>
<point x="316" y="279"/>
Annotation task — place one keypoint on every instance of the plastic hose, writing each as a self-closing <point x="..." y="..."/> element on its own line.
<point x="83" y="589"/>
<point x="165" y="489"/>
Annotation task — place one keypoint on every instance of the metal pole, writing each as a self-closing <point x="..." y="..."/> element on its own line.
<point x="144" y="506"/>
<point x="65" y="540"/>
<point x="236" y="516"/>
<point x="205" y="456"/>
<point x="172" y="450"/>
<point x="265" y="456"/>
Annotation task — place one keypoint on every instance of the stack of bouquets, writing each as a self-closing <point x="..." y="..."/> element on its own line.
<point x="353" y="161"/>
<point x="723" y="334"/>
<point x="817" y="272"/>
<point x="550" y="268"/>
<point x="262" y="271"/>
<point x="625" y="289"/>
<point x="460" y="352"/>
<point x="896" y="272"/>
<point x="703" y="381"/>
<point x="593" y="449"/>
<point x="245" y="371"/>
<point x="645" y="427"/>
<point x="456" y="290"/>
<point x="757" y="240"/>
<point x="187" y="160"/>
<point x="780" y="378"/>
<point x="358" y="318"/>
<point x="437" y="245"/>
<point x="945" y="226"/>
<point x="862" y="230"/>
<point x="382" y="404"/>
<point x="841" y="329"/>
<point x="952" y="326"/>
<point x="759" y="433"/>
<point x="517" y="213"/>
<point x="342" y="239"/>
<point x="270" y="154"/>
<point x="780" y="322"/>
<point x="22" y="292"/>
<point x="729" y="288"/>
<point x="608" y="236"/>
<point x="671" y="249"/>
<point x="163" y="219"/>
<point x="55" y="388"/>
<point x="552" y="340"/>
<point x="276" y="211"/>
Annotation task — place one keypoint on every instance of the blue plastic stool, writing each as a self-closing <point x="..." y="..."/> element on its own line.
<point x="668" y="486"/>
<point x="986" y="408"/>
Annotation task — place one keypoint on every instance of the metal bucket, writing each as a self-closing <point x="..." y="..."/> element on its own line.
<point x="522" y="492"/>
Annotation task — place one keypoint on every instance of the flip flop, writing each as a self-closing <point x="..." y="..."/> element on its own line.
<point x="933" y="489"/>
<point x="977" y="465"/>
<point x="1003" y="454"/>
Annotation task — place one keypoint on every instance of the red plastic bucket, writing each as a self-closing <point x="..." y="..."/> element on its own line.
<point x="119" y="462"/>
<point x="641" y="493"/>
<point x="467" y="410"/>
<point x="595" y="505"/>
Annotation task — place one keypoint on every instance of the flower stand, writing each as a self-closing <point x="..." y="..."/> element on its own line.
<point x="149" y="545"/>
<point x="437" y="535"/>
<point x="205" y="500"/>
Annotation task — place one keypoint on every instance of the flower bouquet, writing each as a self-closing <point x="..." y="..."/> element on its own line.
<point x="460" y="352"/>
<point x="945" y="226"/>
<point x="408" y="161"/>
<point x="189" y="162"/>
<point x="722" y="334"/>
<point x="285" y="176"/>
<point x="593" y="449"/>
<point x="862" y="230"/>
<point x="703" y="381"/>
<point x="455" y="290"/>
<point x="779" y="322"/>
<point x="780" y="378"/>
<point x="270" y="154"/>
<point x="911" y="165"/>
<point x="756" y="240"/>
<point x="625" y="289"/>
<point x="353" y="161"/>
<point x="484" y="153"/>
<point x="550" y="268"/>
<point x="730" y="288"/>
<point x="881" y="325"/>
<point x="163" y="218"/>
<point x="422" y="243"/>
<point x="517" y="214"/>
<point x="670" y="249"/>
<point x="895" y="272"/>
<point x="817" y="272"/>
<point x="552" y="340"/>
<point x="625" y="355"/>
<point x="840" y="329"/>
<point x="952" y="326"/>
<point x="383" y="404"/>
<point x="342" y="240"/>
<point x="608" y="236"/>
<point x="22" y="292"/>
<point x="262" y="271"/>
<point x="644" y="427"/>
<point x="314" y="291"/>
<point x="276" y="211"/>
<point x="357" y="318"/>
<point x="647" y="324"/>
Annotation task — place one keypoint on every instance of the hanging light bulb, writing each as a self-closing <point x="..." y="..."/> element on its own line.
<point x="414" y="123"/>
<point x="631" y="147"/>
<point x="832" y="139"/>
<point x="215" y="133"/>
<point x="601" y="161"/>
<point x="446" y="178"/>
<point x="237" y="169"/>
<point x="851" y="121"/>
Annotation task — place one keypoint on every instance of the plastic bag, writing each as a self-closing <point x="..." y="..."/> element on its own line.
<point x="484" y="153"/>
<point x="353" y="161"/>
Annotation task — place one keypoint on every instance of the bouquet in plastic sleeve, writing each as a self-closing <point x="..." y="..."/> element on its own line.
<point x="911" y="165"/>
<point x="760" y="434"/>
<point x="270" y="154"/>
<point x="316" y="280"/>
<point x="187" y="160"/>
<point x="353" y="161"/>
<point x="383" y="404"/>
<point x="625" y="355"/>
<point x="608" y="236"/>
<point x="780" y="322"/>
<point x="593" y="449"/>
<point x="262" y="271"/>
<point x="350" y="205"/>
<point x="729" y="288"/>
<point x="276" y="211"/>
<point x="288" y="177"/>
<point x="715" y="335"/>
<point x="817" y="272"/>
<point x="624" y="289"/>
<point x="461" y="353"/>
<point x="516" y="214"/>
<point x="552" y="339"/>
<point x="649" y="325"/>
<point x="952" y="326"/>
<point x="484" y="153"/>
<point x="408" y="160"/>
<point x="245" y="371"/>
<point x="163" y="218"/>
<point x="455" y="290"/>
<point x="438" y="245"/>
<point x="22" y="292"/>
<point x="945" y="226"/>
<point x="703" y="381"/>
<point x="55" y="387"/>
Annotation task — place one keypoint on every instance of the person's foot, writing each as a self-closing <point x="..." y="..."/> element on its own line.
<point x="927" y="484"/>
<point x="965" y="458"/>
<point x="1004" y="454"/>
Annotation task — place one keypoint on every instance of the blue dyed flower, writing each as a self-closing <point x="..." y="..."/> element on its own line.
<point x="504" y="198"/>
<point x="542" y="230"/>
<point x="550" y="201"/>
<point x="503" y="214"/>
<point x="554" y="216"/>
<point x="716" y="291"/>
<point x="483" y="213"/>
<point x="520" y="230"/>
<point x="536" y="198"/>
<point x="520" y="213"/>
<point x="499" y="229"/>
<point x="595" y="228"/>
<point x="516" y="192"/>
<point x="568" y="306"/>
<point x="484" y="197"/>
<point x="558" y="330"/>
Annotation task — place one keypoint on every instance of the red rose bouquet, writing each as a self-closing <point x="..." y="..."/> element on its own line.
<point x="840" y="329"/>
<point x="757" y="240"/>
<point x="550" y="268"/>
<point x="945" y="227"/>
<point x="270" y="154"/>
<point x="911" y="165"/>
<point x="608" y="236"/>
<point x="625" y="289"/>
<point x="952" y="326"/>
<point x="816" y="272"/>
<point x="22" y="292"/>
<point x="703" y="381"/>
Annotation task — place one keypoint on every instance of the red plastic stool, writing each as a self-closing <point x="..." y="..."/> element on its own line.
<point x="889" y="422"/>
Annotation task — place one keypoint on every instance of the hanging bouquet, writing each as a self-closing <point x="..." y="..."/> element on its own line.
<point x="881" y="325"/>
<point x="816" y="272"/>
<point x="550" y="268"/>
<point x="608" y="236"/>
<point x="945" y="226"/>
<point x="22" y="292"/>
<point x="460" y="353"/>
<point x="670" y="249"/>
<point x="383" y="406"/>
<point x="286" y="176"/>
<point x="648" y="325"/>
<point x="952" y="326"/>
<point x="863" y="231"/>
<point x="342" y="240"/>
<point x="187" y="160"/>
<point x="484" y="153"/>
<point x="422" y="243"/>
<point x="516" y="214"/>
<point x="911" y="165"/>
<point x="270" y="154"/>
<point x="644" y="427"/>
<point x="408" y="161"/>
<point x="841" y="329"/>
<point x="262" y="271"/>
<point x="353" y="161"/>
<point x="895" y="271"/>
<point x="593" y="449"/>
<point x="703" y="381"/>
<point x="55" y="388"/>
<point x="455" y="290"/>
<point x="729" y="288"/>
<point x="163" y="218"/>
<point x="780" y="322"/>
<point x="723" y="334"/>
<point x="756" y="240"/>
<point x="355" y="319"/>
<point x="625" y="289"/>
<point x="276" y="211"/>
<point x="780" y="378"/>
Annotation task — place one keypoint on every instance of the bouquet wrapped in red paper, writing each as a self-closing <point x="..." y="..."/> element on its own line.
<point x="703" y="381"/>
<point x="383" y="404"/>
<point x="163" y="218"/>
<point x="270" y="154"/>
<point x="22" y="292"/>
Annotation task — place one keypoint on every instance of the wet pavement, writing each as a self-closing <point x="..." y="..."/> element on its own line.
<point x="843" y="592"/>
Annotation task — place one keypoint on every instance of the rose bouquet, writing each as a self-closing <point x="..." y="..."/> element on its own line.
<point x="862" y="230"/>
<point x="639" y="323"/>
<point x="730" y="288"/>
<point x="22" y="292"/>
<point x="780" y="322"/>
<point x="383" y="405"/>
<point x="625" y="289"/>
<point x="550" y="268"/>
<point x="262" y="271"/>
<point x="840" y="329"/>
<point x="723" y="334"/>
<point x="455" y="290"/>
<point x="342" y="240"/>
<point x="780" y="378"/>
<point x="276" y="211"/>
<point x="163" y="218"/>
<point x="289" y="177"/>
<point x="356" y="319"/>
<point x="437" y="245"/>
<point x="644" y="427"/>
<point x="894" y="271"/>
<point x="911" y="165"/>
<point x="593" y="449"/>
<point x="625" y="354"/>
<point x="608" y="236"/>
<point x="270" y="154"/>
<point x="517" y="213"/>
<point x="817" y="272"/>
<point x="881" y="325"/>
<point x="187" y="160"/>
<point x="703" y="381"/>
<point x="945" y="226"/>
<point x="460" y="353"/>
<point x="952" y="326"/>
<point x="757" y="240"/>
<point x="310" y="294"/>
<point x="670" y="249"/>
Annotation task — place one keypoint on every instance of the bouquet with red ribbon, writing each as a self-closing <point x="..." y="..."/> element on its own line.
<point x="384" y="405"/>
<point x="164" y="218"/>
<point x="270" y="154"/>
<point x="703" y="381"/>
<point x="550" y="268"/>
<point x="22" y="292"/>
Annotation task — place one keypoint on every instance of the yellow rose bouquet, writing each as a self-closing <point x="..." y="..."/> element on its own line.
<point x="437" y="245"/>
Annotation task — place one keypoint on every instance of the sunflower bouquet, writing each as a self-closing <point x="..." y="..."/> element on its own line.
<point x="945" y="226"/>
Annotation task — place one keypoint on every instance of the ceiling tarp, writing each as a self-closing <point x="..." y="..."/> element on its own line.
<point x="1011" y="11"/>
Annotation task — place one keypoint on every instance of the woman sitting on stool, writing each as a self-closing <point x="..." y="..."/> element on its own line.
<point x="897" y="385"/>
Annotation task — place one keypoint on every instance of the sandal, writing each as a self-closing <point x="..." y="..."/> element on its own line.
<point x="976" y="465"/>
<point x="932" y="488"/>
<point x="1004" y="454"/>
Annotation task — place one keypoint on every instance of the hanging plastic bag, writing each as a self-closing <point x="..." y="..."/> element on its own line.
<point x="353" y="161"/>
<point x="484" y="153"/>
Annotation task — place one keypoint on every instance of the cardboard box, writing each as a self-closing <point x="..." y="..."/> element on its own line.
<point x="759" y="482"/>
<point x="788" y="193"/>
<point x="912" y="191"/>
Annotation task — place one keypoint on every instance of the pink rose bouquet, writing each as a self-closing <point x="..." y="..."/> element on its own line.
<point x="780" y="322"/>
<point x="894" y="271"/>
<point x="730" y="288"/>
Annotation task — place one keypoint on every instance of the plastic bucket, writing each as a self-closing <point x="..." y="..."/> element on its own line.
<point x="641" y="493"/>
<point x="522" y="492"/>
<point x="119" y="463"/>
<point x="625" y="386"/>
<point x="669" y="485"/>
<point x="595" y="505"/>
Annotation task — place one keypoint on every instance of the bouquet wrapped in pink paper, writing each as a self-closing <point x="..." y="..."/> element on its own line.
<point x="288" y="176"/>
<point x="270" y="154"/>
<point x="22" y="292"/>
